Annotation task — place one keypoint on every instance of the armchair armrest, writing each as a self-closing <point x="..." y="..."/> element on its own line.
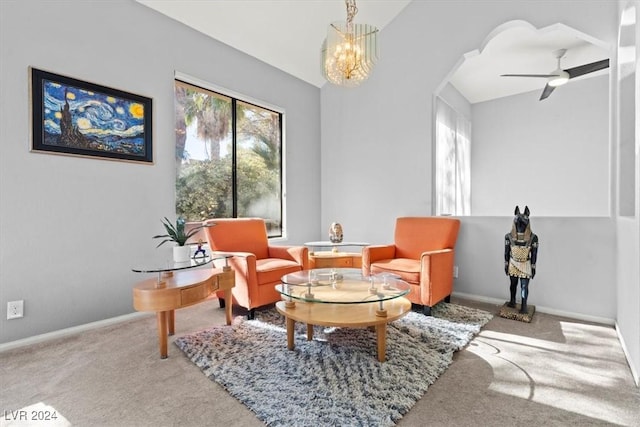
<point x="244" y="266"/>
<point x="244" y="263"/>
<point x="436" y="274"/>
<point x="436" y="252"/>
<point x="378" y="252"/>
<point x="371" y="254"/>
<point x="299" y="254"/>
<point x="217" y="263"/>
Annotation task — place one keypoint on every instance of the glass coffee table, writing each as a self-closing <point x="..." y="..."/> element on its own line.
<point x="342" y="297"/>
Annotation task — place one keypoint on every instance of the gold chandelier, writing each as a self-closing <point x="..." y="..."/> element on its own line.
<point x="350" y="50"/>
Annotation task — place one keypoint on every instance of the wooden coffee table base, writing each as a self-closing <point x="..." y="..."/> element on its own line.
<point x="344" y="315"/>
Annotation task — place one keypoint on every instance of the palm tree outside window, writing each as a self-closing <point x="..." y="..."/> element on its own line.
<point x="228" y="158"/>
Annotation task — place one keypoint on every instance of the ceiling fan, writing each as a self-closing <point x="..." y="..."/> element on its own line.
<point x="558" y="77"/>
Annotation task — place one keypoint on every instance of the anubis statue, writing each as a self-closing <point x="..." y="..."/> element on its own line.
<point x="520" y="255"/>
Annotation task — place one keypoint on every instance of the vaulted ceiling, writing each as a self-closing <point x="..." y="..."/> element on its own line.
<point x="288" y="34"/>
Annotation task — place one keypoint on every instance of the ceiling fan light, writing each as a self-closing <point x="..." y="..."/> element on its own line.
<point x="561" y="78"/>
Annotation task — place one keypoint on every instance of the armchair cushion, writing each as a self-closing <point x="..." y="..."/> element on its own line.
<point x="298" y="254"/>
<point x="407" y="269"/>
<point x="270" y="270"/>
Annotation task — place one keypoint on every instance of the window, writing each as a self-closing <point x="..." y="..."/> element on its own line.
<point x="452" y="166"/>
<point x="228" y="158"/>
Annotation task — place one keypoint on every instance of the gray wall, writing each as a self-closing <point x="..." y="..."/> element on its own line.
<point x="71" y="228"/>
<point x="377" y="157"/>
<point x="574" y="274"/>
<point x="519" y="144"/>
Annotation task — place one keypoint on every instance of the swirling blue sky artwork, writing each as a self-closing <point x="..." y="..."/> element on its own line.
<point x="81" y="118"/>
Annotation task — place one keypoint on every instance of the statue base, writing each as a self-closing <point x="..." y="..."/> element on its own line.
<point x="514" y="313"/>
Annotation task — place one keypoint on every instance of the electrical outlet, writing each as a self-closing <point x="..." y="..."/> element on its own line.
<point x="455" y="271"/>
<point x="15" y="309"/>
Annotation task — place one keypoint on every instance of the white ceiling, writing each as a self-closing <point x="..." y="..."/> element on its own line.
<point x="519" y="48"/>
<point x="288" y="34"/>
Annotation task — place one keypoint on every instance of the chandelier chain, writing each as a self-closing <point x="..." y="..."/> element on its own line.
<point x="351" y="10"/>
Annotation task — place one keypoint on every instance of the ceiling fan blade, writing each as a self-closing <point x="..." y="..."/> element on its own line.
<point x="546" y="92"/>
<point x="529" y="75"/>
<point x="587" y="68"/>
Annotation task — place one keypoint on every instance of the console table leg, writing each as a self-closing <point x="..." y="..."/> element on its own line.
<point x="381" y="332"/>
<point x="290" y="329"/>
<point x="228" y="298"/>
<point x="161" y="317"/>
<point x="171" y="321"/>
<point x="309" y="332"/>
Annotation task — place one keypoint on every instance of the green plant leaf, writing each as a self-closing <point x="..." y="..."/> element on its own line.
<point x="176" y="233"/>
<point x="163" y="242"/>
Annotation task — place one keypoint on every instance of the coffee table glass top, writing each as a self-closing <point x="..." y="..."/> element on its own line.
<point x="341" y="286"/>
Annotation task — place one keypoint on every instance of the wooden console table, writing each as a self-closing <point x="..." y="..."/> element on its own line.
<point x="334" y="258"/>
<point x="181" y="289"/>
<point x="330" y="259"/>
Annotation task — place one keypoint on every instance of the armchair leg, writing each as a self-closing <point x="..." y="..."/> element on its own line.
<point x="251" y="314"/>
<point x="426" y="310"/>
<point x="447" y="298"/>
<point x="221" y="302"/>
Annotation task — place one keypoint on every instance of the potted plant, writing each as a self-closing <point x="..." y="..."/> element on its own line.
<point x="177" y="234"/>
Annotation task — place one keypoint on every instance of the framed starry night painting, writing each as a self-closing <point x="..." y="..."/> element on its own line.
<point x="74" y="117"/>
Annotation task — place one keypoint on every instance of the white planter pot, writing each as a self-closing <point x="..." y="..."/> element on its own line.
<point x="181" y="253"/>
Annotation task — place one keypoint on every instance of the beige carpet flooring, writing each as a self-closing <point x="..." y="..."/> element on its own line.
<point x="550" y="372"/>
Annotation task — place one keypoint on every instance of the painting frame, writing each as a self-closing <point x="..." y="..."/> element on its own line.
<point x="79" y="118"/>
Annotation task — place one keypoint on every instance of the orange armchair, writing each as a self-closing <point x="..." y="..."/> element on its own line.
<point x="258" y="266"/>
<point x="422" y="255"/>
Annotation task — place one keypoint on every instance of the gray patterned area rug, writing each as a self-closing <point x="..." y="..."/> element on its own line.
<point x="335" y="379"/>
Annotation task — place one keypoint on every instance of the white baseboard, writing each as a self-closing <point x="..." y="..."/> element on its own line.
<point x="634" y="372"/>
<point x="70" y="331"/>
<point x="570" y="315"/>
